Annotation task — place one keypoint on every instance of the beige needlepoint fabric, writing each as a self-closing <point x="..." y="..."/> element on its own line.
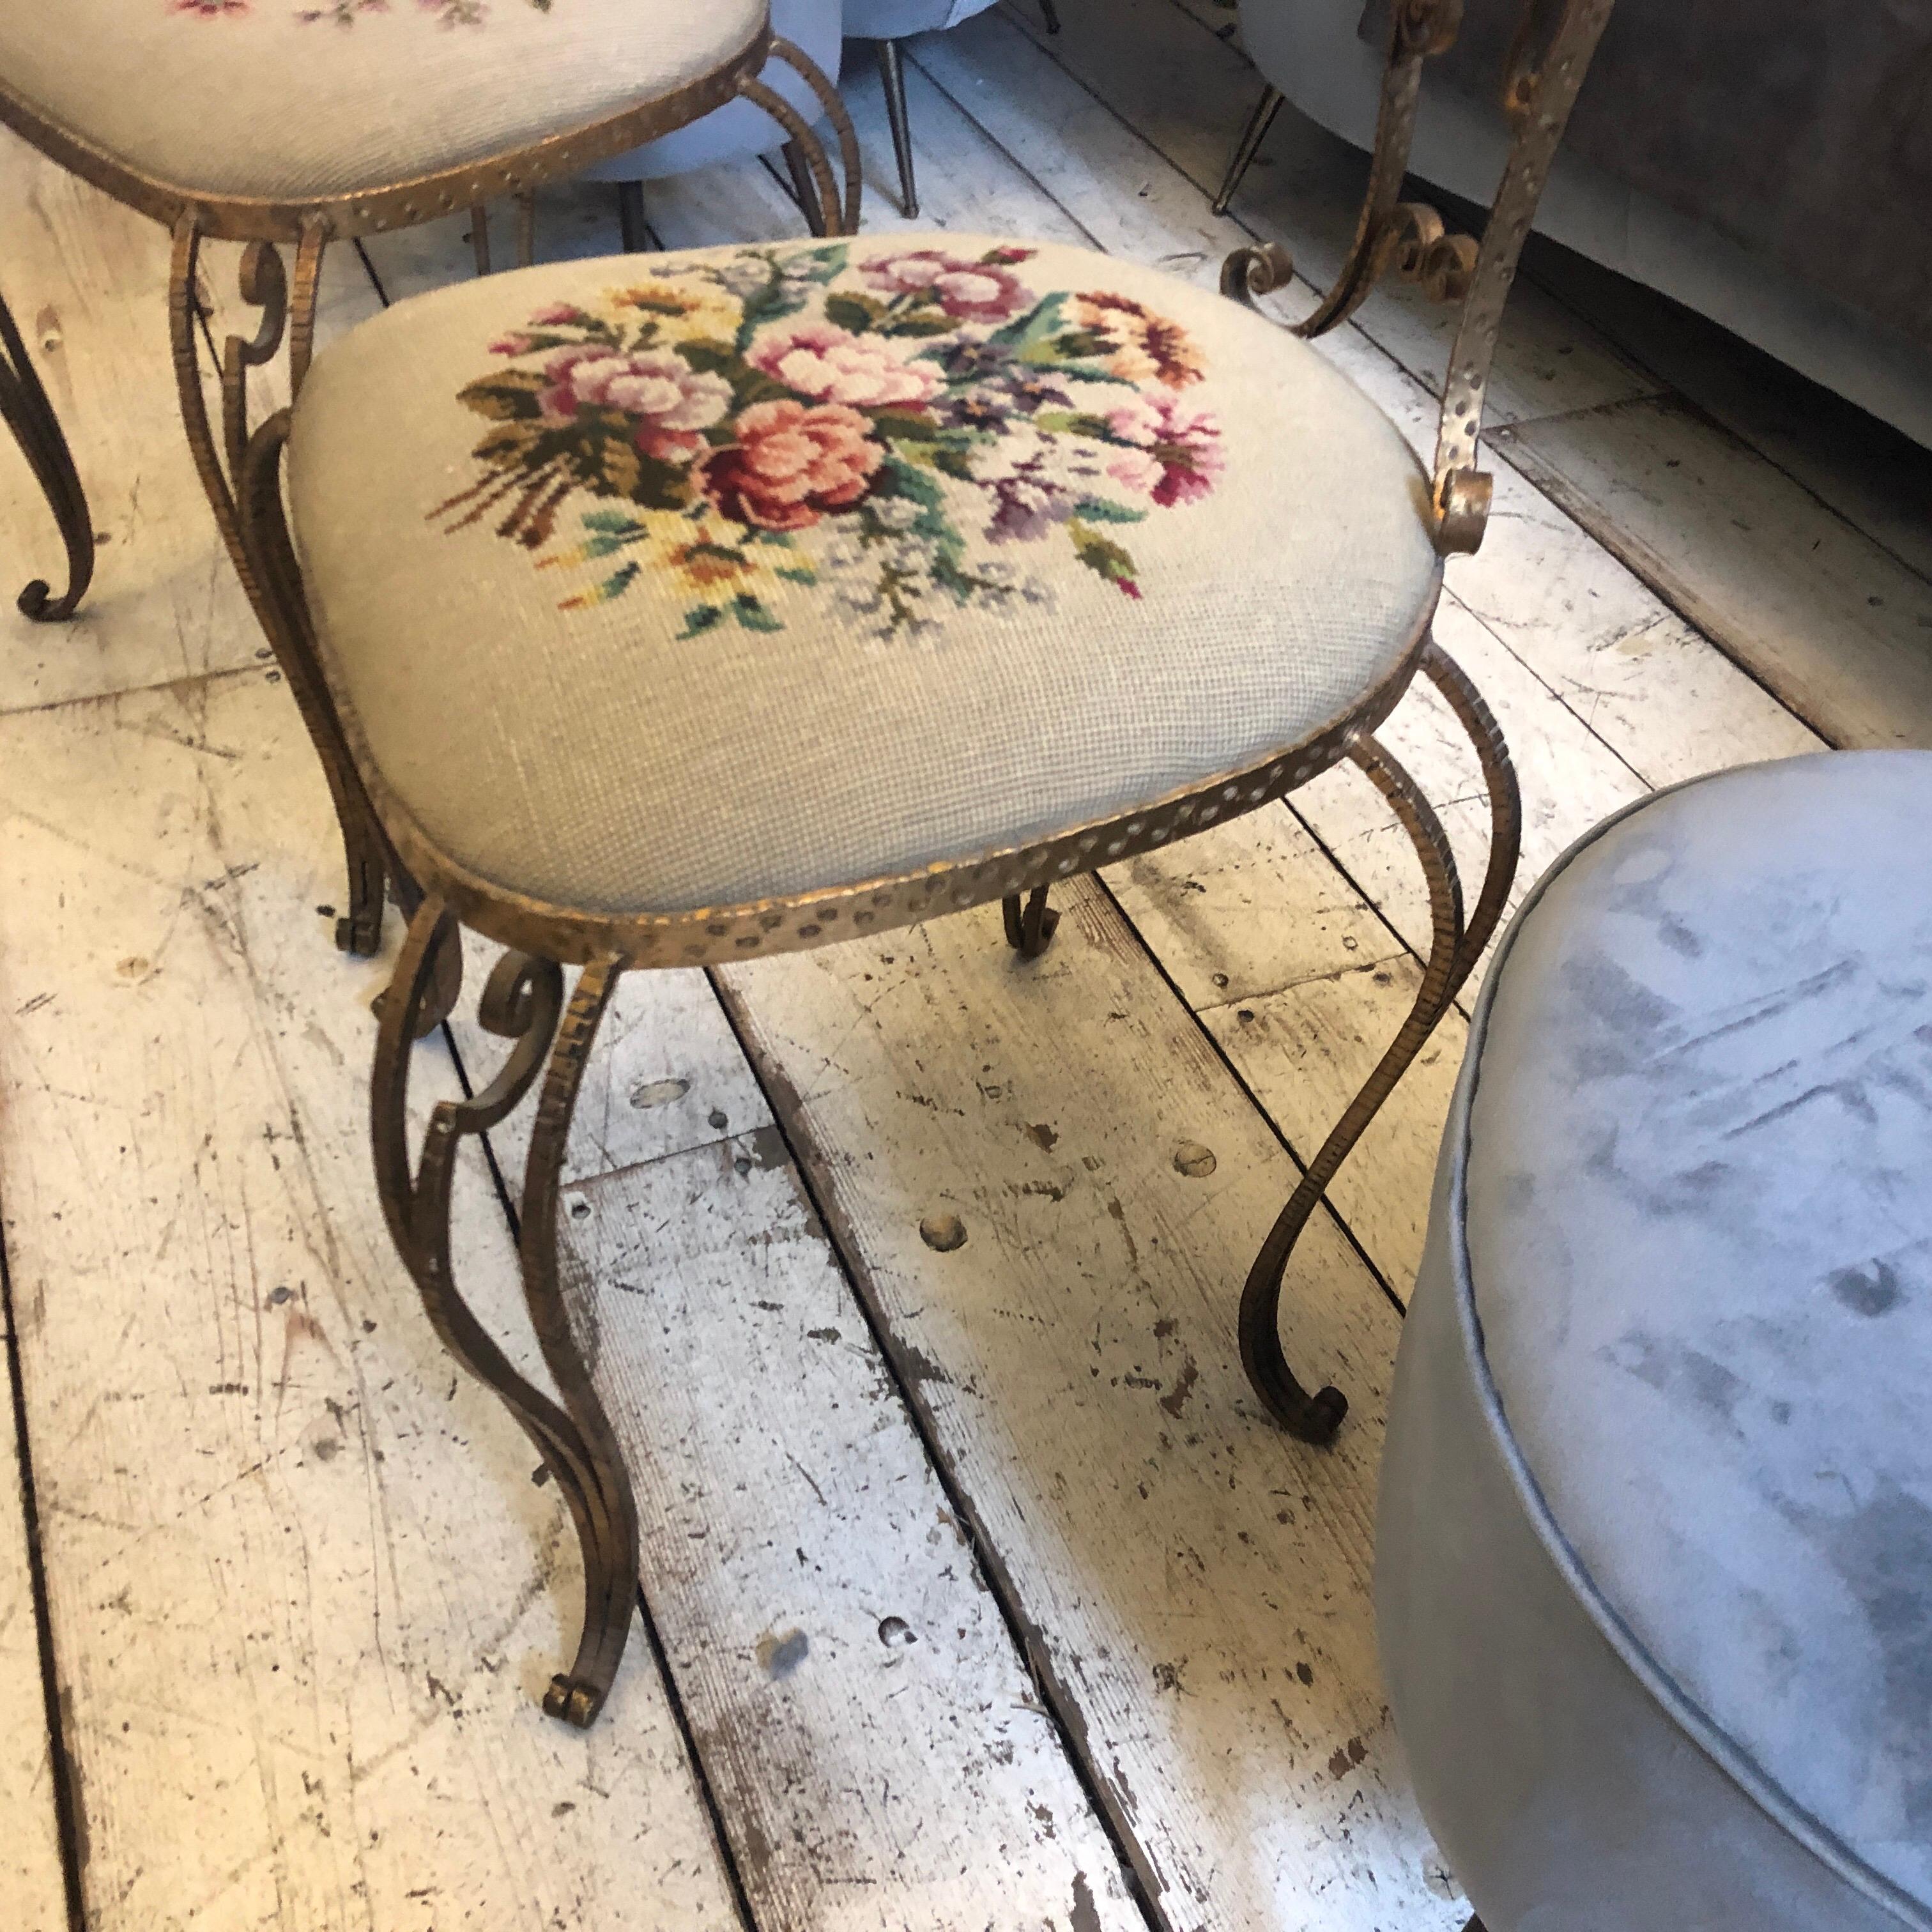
<point x="291" y="100"/>
<point x="660" y="583"/>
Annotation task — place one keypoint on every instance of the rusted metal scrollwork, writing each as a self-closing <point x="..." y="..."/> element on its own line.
<point x="824" y="211"/>
<point x="523" y="1003"/>
<point x="1545" y="71"/>
<point x="1547" y="60"/>
<point x="1455" y="945"/>
<point x="240" y="474"/>
<point x="25" y="410"/>
<point x="1390" y="233"/>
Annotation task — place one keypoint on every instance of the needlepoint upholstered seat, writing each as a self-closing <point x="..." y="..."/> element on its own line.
<point x="755" y="571"/>
<point x="299" y="100"/>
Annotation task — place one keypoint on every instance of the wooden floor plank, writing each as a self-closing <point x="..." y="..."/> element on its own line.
<point x="1836" y="626"/>
<point x="31" y="1875"/>
<point x="1194" y="1584"/>
<point x="303" y="1588"/>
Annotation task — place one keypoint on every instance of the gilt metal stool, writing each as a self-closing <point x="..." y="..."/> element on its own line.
<point x="680" y="611"/>
<point x="305" y="122"/>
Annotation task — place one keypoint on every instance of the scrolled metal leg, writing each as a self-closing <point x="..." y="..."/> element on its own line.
<point x="522" y="1004"/>
<point x="1454" y="949"/>
<point x="892" y="71"/>
<point x="241" y="477"/>
<point x="1030" y="925"/>
<point x="814" y="76"/>
<point x="804" y="188"/>
<point x="25" y="409"/>
<point x="1252" y="136"/>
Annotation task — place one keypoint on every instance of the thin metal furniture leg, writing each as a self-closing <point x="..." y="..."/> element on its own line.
<point x="840" y="219"/>
<point x="25" y="409"/>
<point x="479" y="237"/>
<point x="631" y="225"/>
<point x="1454" y="949"/>
<point x="277" y="607"/>
<point x="1052" y="16"/>
<point x="527" y="227"/>
<point x="1474" y="1925"/>
<point x="1029" y="925"/>
<point x="522" y="1004"/>
<point x="1252" y="136"/>
<point x="803" y="187"/>
<point x="892" y="71"/>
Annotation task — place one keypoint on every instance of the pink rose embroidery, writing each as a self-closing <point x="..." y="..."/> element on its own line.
<point x="790" y="463"/>
<point x="826" y="363"/>
<point x="968" y="291"/>
<point x="1176" y="455"/>
<point x="672" y="400"/>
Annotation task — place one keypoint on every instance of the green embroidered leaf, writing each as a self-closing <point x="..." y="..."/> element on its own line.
<point x="828" y="263"/>
<point x="903" y="426"/>
<point x="699" y="618"/>
<point x="751" y="613"/>
<point x="1098" y="510"/>
<point x="796" y="573"/>
<point x="915" y="324"/>
<point x="1103" y="557"/>
<point x="1039" y="321"/>
<point x="1075" y="422"/>
<point x="508" y="396"/>
<point x="613" y="523"/>
<point x="859" y="313"/>
<point x="950" y="461"/>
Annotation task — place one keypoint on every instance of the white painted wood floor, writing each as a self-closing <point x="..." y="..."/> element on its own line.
<point x="980" y="1594"/>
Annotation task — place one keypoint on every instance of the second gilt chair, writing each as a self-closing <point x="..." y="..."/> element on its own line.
<point x="682" y="611"/>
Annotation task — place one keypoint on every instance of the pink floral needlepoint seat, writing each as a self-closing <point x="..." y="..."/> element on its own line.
<point x="744" y="572"/>
<point x="289" y="100"/>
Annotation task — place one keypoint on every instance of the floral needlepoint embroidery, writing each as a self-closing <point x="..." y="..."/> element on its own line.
<point x="876" y="430"/>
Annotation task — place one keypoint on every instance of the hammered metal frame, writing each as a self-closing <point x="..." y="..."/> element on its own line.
<point x="25" y="410"/>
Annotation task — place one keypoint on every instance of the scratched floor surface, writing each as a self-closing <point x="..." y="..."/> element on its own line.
<point x="976" y="1594"/>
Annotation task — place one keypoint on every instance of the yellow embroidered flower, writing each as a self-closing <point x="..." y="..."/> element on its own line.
<point x="1144" y="344"/>
<point x="684" y="310"/>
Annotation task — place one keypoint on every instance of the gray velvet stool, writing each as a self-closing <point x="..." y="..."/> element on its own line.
<point x="1653" y="1577"/>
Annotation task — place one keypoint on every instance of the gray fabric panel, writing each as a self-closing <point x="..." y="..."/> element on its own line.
<point x="1564" y="1797"/>
<point x="1700" y="1237"/>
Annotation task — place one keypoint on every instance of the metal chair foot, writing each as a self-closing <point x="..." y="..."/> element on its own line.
<point x="1051" y="14"/>
<point x="633" y="229"/>
<point x="1030" y="926"/>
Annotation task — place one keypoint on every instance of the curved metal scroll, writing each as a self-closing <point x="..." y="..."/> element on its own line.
<point x="1029" y="923"/>
<point x="1545" y="70"/>
<point x="1389" y="231"/>
<point x="240" y="476"/>
<point x="1454" y="948"/>
<point x="25" y="410"/>
<point x="521" y="1003"/>
<point x="835" y="217"/>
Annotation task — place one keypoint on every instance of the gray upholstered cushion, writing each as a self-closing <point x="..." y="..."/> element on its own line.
<point x="740" y="128"/>
<point x="1667" y="1371"/>
<point x="285" y="100"/>
<point x="892" y="19"/>
<point x="695" y="580"/>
